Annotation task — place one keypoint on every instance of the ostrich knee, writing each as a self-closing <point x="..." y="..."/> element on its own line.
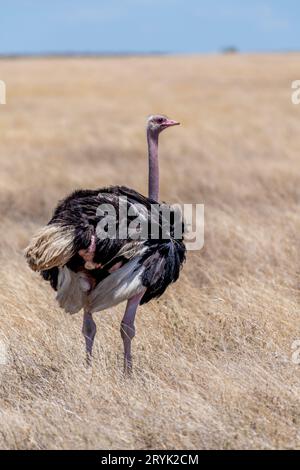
<point x="127" y="331"/>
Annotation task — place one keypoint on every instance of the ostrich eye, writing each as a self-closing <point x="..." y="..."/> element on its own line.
<point x="160" y="120"/>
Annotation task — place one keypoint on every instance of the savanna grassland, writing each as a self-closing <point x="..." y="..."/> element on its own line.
<point x="213" y="356"/>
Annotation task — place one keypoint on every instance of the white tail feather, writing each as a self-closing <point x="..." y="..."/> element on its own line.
<point x="73" y="289"/>
<point x="50" y="247"/>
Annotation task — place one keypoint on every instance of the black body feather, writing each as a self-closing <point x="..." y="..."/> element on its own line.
<point x="162" y="258"/>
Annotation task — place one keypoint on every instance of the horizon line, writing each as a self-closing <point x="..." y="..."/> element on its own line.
<point x="81" y="54"/>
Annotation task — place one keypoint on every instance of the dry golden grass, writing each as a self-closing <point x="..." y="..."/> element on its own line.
<point x="213" y="364"/>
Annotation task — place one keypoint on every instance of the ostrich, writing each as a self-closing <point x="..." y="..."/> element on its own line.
<point x="94" y="273"/>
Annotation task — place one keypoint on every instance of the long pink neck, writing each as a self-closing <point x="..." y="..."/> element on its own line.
<point x="153" y="186"/>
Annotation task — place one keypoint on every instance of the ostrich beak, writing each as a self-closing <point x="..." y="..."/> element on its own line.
<point x="170" y="123"/>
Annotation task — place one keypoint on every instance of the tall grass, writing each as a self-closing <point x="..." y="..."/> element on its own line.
<point x="213" y="357"/>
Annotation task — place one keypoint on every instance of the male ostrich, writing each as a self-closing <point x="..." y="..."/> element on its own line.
<point x="93" y="272"/>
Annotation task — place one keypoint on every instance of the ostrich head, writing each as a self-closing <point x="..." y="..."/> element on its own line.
<point x="159" y="122"/>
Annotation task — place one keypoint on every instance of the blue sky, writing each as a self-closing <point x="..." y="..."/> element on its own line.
<point x="38" y="26"/>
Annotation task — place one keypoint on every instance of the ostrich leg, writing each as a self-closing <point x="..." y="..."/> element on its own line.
<point x="89" y="332"/>
<point x="128" y="329"/>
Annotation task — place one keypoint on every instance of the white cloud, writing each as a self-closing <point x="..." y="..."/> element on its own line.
<point x="268" y="21"/>
<point x="91" y="14"/>
<point x="262" y="15"/>
<point x="107" y="10"/>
